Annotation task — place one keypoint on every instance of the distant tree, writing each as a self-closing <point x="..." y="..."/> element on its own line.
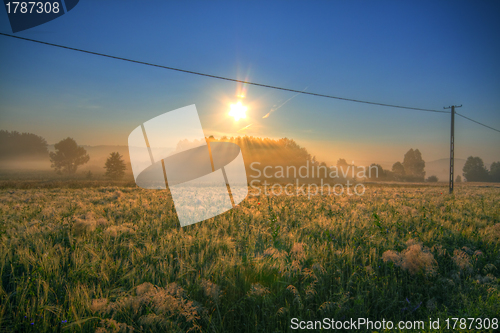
<point x="15" y="144"/>
<point x="344" y="168"/>
<point x="459" y="179"/>
<point x="271" y="152"/>
<point x="115" y="167"/>
<point x="68" y="156"/>
<point x="342" y="162"/>
<point x="414" y="165"/>
<point x="474" y="170"/>
<point x="495" y="172"/>
<point x="432" y="179"/>
<point x="398" y="170"/>
<point x="375" y="172"/>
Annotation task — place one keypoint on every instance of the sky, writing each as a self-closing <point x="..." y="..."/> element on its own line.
<point x="424" y="54"/>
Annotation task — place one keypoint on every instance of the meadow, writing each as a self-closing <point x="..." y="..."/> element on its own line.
<point x="114" y="259"/>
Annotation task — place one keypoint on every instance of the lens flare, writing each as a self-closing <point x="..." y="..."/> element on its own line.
<point x="238" y="111"/>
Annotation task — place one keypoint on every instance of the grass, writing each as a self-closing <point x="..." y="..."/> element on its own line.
<point x="114" y="259"/>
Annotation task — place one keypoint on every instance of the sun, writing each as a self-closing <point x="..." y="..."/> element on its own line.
<point x="238" y="111"/>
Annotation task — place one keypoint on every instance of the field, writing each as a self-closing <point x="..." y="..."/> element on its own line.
<point x="114" y="259"/>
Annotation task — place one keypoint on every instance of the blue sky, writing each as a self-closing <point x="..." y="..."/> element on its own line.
<point x="424" y="54"/>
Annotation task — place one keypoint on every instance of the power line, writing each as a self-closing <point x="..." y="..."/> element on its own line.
<point x="477" y="122"/>
<point x="245" y="82"/>
<point x="224" y="78"/>
<point x="452" y="144"/>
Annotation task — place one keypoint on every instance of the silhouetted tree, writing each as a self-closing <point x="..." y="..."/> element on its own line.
<point x="398" y="170"/>
<point x="115" y="167"/>
<point x="68" y="156"/>
<point x="342" y="163"/>
<point x="432" y="179"/>
<point x="459" y="179"/>
<point x="495" y="172"/>
<point x="474" y="170"/>
<point x="15" y="144"/>
<point x="377" y="173"/>
<point x="269" y="152"/>
<point x="414" y="165"/>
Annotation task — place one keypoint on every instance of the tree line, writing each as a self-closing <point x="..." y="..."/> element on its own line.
<point x="411" y="169"/>
<point x="68" y="156"/>
<point x="475" y="171"/>
<point x="66" y="159"/>
<point x="17" y="145"/>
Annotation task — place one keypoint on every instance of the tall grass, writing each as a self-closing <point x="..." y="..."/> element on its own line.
<point x="114" y="259"/>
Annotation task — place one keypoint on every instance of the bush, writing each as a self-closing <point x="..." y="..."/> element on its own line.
<point x="432" y="179"/>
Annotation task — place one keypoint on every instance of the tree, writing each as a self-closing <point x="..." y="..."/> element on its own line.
<point x="495" y="172"/>
<point x="115" y="167"/>
<point x="459" y="179"/>
<point x="68" y="156"/>
<point x="375" y="171"/>
<point x="414" y="165"/>
<point x="342" y="166"/>
<point x="14" y="144"/>
<point x="399" y="170"/>
<point x="432" y="179"/>
<point x="341" y="163"/>
<point x="474" y="170"/>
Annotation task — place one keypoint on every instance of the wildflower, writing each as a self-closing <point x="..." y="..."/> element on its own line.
<point x="417" y="307"/>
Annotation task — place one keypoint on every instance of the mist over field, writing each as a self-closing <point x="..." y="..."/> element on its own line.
<point x="266" y="153"/>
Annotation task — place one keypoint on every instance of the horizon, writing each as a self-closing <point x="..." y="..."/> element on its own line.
<point x="386" y="165"/>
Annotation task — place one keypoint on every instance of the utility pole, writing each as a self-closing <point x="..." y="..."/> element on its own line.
<point x="452" y="144"/>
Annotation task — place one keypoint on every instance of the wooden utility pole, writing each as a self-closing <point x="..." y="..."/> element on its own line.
<point x="452" y="144"/>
